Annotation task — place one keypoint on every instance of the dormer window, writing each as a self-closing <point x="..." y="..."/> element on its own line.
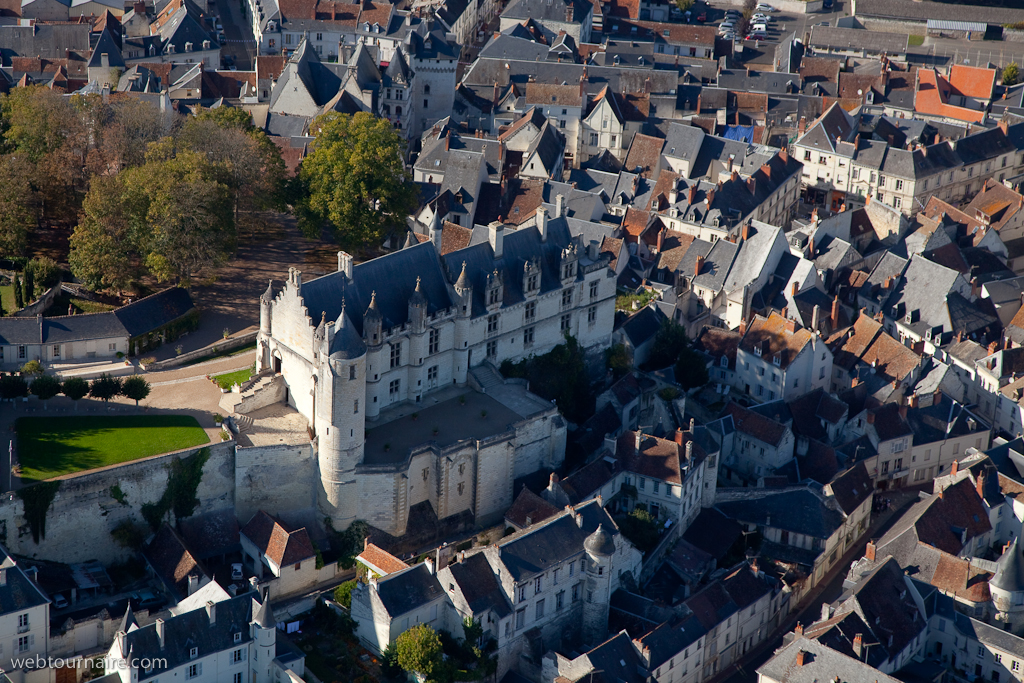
<point x="724" y="362"/>
<point x="757" y="350"/>
<point x="193" y="652"/>
<point x="238" y="636"/>
<point x="775" y="360"/>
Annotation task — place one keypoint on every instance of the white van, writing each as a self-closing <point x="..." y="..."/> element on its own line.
<point x="759" y="28"/>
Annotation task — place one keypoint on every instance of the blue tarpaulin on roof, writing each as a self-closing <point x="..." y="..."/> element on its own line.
<point x="740" y="133"/>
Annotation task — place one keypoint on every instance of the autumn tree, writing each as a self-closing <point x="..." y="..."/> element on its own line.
<point x="17" y="217"/>
<point x="1011" y="74"/>
<point x="355" y="180"/>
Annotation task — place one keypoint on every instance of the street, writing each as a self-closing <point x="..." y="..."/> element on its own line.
<point x="238" y="42"/>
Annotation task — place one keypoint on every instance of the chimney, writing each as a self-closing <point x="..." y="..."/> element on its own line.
<point x="871" y="417"/>
<point x="692" y="194"/>
<point x="746" y="232"/>
<point x="430" y="565"/>
<point x="698" y="266"/>
<point x="801" y="658"/>
<point x="661" y="239"/>
<point x="552" y="480"/>
<point x="160" y="632"/>
<point x="193" y="583"/>
<point x="496" y="236"/>
<point x="815" y="315"/>
<point x="858" y="645"/>
<point x="639" y="436"/>
<point x="975" y="288"/>
<point x="673" y="192"/>
<point x="559" y="206"/>
<point x="903" y="411"/>
<point x="693" y="422"/>
<point x="709" y="197"/>
<point x="497" y="93"/>
<point x="802" y="126"/>
<point x="796" y="288"/>
<point x="542" y="223"/>
<point x="834" y="317"/>
<point x="955" y="467"/>
<point x="689" y="451"/>
<point x="752" y="185"/>
<point x="979" y="484"/>
<point x="679" y="436"/>
<point x="799" y="630"/>
<point x="937" y="397"/>
<point x="791" y="326"/>
<point x="734" y="176"/>
<point x="784" y="156"/>
<point x="869" y="551"/>
<point x="913" y="401"/>
<point x="211" y="611"/>
<point x="345" y="264"/>
<point x="743" y="327"/>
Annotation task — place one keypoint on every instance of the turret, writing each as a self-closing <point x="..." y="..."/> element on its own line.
<point x="263" y="631"/>
<point x="373" y="333"/>
<point x="464" y="294"/>
<point x="464" y="290"/>
<point x="417" y="308"/>
<point x="600" y="549"/>
<point x="263" y="358"/>
<point x="1007" y="589"/>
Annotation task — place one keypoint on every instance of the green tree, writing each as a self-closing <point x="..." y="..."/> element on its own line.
<point x="19" y="301"/>
<point x="473" y="631"/>
<point x="669" y="342"/>
<point x="343" y="594"/>
<point x="45" y="387"/>
<point x="684" y="5"/>
<point x="12" y="387"/>
<point x="45" y="271"/>
<point x="105" y="387"/>
<point x="106" y="244"/>
<point x="136" y="388"/>
<point x="75" y="388"/>
<point x="16" y="215"/>
<point x="28" y="285"/>
<point x="691" y="370"/>
<point x="32" y="368"/>
<point x="355" y="180"/>
<point x="1011" y="74"/>
<point x="419" y="650"/>
<point x="640" y="528"/>
<point x="616" y="359"/>
<point x="389" y="663"/>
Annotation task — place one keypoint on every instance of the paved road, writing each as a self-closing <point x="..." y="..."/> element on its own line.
<point x="239" y="42"/>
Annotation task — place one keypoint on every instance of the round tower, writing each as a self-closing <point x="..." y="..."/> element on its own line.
<point x="464" y="304"/>
<point x="373" y="338"/>
<point x="263" y="359"/>
<point x="263" y="631"/>
<point x="340" y="425"/>
<point x="1007" y="589"/>
<point x="600" y="548"/>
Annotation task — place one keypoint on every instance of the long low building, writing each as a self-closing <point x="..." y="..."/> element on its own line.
<point x="127" y="330"/>
<point x="855" y="41"/>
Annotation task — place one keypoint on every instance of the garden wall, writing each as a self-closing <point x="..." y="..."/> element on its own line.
<point x="278" y="479"/>
<point x="236" y="342"/>
<point x="39" y="305"/>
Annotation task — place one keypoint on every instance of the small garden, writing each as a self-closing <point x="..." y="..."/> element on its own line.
<point x="332" y="651"/>
<point x="229" y="379"/>
<point x="671" y="348"/>
<point x="625" y="302"/>
<point x="560" y="375"/>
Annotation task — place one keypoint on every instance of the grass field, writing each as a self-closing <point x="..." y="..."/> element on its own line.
<point x="916" y="41"/>
<point x="229" y="379"/>
<point x="7" y="299"/>
<point x="52" y="446"/>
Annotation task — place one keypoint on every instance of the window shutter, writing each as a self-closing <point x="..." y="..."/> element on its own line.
<point x="31" y="640"/>
<point x="199" y="669"/>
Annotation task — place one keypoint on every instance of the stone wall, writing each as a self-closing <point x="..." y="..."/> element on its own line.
<point x="279" y="479"/>
<point x="791" y="6"/>
<point x="236" y="342"/>
<point x="39" y="305"/>
<point x="83" y="512"/>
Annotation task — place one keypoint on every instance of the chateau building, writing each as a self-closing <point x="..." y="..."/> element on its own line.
<point x="408" y="331"/>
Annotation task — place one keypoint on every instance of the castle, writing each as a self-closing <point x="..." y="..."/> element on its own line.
<point x="418" y="330"/>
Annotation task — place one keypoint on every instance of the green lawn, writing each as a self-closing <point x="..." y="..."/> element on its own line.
<point x="916" y="41"/>
<point x="229" y="379"/>
<point x="222" y="354"/>
<point x="7" y="299"/>
<point x="52" y="446"/>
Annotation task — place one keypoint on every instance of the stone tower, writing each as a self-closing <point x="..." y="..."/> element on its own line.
<point x="263" y="359"/>
<point x="263" y="631"/>
<point x="340" y="411"/>
<point x="1007" y="589"/>
<point x="373" y="338"/>
<point x="600" y="548"/>
<point x="417" y="341"/>
<point x="464" y="302"/>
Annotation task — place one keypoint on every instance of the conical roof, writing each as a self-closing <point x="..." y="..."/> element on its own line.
<point x="347" y="343"/>
<point x="128" y="620"/>
<point x="269" y="294"/>
<point x="410" y="240"/>
<point x="418" y="297"/>
<point x="600" y="542"/>
<point x="321" y="329"/>
<point x="463" y="282"/>
<point x="1009" y="574"/>
<point x="373" y="312"/>
<point x="264" y="616"/>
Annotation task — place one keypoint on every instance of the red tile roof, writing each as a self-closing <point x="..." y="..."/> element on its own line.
<point x="756" y="425"/>
<point x="644" y="153"/>
<point x="634" y="223"/>
<point x="932" y="95"/>
<point x="772" y="336"/>
<point x="282" y="546"/>
<point x="972" y="81"/>
<point x="379" y="559"/>
<point x="529" y="508"/>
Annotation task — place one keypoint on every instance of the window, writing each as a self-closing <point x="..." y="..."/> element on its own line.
<point x="592" y="315"/>
<point x="432" y="374"/>
<point x="614" y="139"/>
<point x="520" y="618"/>
<point x="554" y="578"/>
<point x="21" y="352"/>
<point x="193" y="653"/>
<point x="355" y="407"/>
<point x="528" y="336"/>
<point x="807" y="156"/>
<point x="593" y="140"/>
<point x="566" y="322"/>
<point x="492" y="349"/>
<point x="899" y="185"/>
<point x="1015" y="666"/>
<point x="396" y="354"/>
<point x="194" y="670"/>
<point x="393" y="388"/>
<point x="530" y="312"/>
<point x="540" y="610"/>
<point x="56" y="350"/>
<point x="537" y="585"/>
<point x="435" y="342"/>
<point x="522" y="594"/>
<point x="23" y="643"/>
<point x="657" y="486"/>
<point x="461" y="488"/>
<point x="821" y="373"/>
<point x="559" y="599"/>
<point x="238" y="636"/>
<point x="22" y="623"/>
<point x="576" y="592"/>
<point x="593" y="289"/>
<point x="572" y="567"/>
<point x="237" y="678"/>
<point x="351" y="372"/>
<point x="567" y="297"/>
<point x="236" y="656"/>
<point x="494" y="296"/>
<point x="643" y="483"/>
<point x="492" y="324"/>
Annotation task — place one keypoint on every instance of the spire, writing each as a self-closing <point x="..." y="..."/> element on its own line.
<point x="373" y="311"/>
<point x="463" y="281"/>
<point x="264" y="616"/>
<point x="128" y="620"/>
<point x="340" y="323"/>
<point x="268" y="295"/>
<point x="418" y="297"/>
<point x="410" y="240"/>
<point x="322" y="327"/>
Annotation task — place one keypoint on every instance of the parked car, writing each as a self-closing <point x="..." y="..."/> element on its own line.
<point x="236" y="571"/>
<point x="59" y="601"/>
<point x="146" y="599"/>
<point x="762" y="7"/>
<point x="702" y="17"/>
<point x="757" y="35"/>
<point x="827" y="4"/>
<point x="726" y="25"/>
<point x="760" y="18"/>
<point x="758" y="28"/>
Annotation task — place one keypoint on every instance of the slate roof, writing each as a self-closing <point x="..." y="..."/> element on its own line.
<point x="194" y="630"/>
<point x="529" y="508"/>
<point x="851" y="488"/>
<point x="821" y="663"/>
<point x="858" y="39"/>
<point x="18" y="592"/>
<point x="404" y="591"/>
<point x="755" y="425"/>
<point x="154" y="311"/>
<point x="211" y="534"/>
<point x="643" y="325"/>
<point x="544" y="545"/>
<point x="479" y="586"/>
<point x="795" y="510"/>
<point x="945" y="522"/>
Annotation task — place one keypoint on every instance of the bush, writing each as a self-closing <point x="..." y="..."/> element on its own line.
<point x="46" y="271"/>
<point x="33" y="367"/>
<point x="617" y="360"/>
<point x="1011" y="74"/>
<point x="105" y="387"/>
<point x="45" y="387"/>
<point x="668" y="344"/>
<point x="559" y="375"/>
<point x="75" y="388"/>
<point x="12" y="387"/>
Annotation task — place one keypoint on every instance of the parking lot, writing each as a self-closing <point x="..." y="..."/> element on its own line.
<point x="779" y="24"/>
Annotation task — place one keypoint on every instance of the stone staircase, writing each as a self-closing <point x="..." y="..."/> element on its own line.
<point x="487" y="377"/>
<point x="244" y="423"/>
<point x="262" y="390"/>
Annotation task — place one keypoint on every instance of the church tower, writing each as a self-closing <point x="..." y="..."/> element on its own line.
<point x="464" y="304"/>
<point x="340" y="410"/>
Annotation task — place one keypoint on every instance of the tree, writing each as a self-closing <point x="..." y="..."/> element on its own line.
<point x="1011" y="74"/>
<point x="473" y="631"/>
<point x="691" y="370"/>
<point x="32" y="368"/>
<point x="45" y="271"/>
<point x="616" y="359"/>
<point x="16" y="216"/>
<point x="640" y="528"/>
<point x="75" y="388"/>
<point x="45" y="387"/>
<point x="684" y="5"/>
<point x="19" y="301"/>
<point x="669" y="342"/>
<point x="105" y="247"/>
<point x="28" y="284"/>
<point x="419" y="650"/>
<point x="355" y="180"/>
<point x="343" y="594"/>
<point x="136" y="388"/>
<point x="105" y="387"/>
<point x="12" y="387"/>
